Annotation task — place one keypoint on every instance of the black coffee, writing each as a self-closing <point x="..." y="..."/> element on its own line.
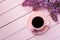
<point x="37" y="22"/>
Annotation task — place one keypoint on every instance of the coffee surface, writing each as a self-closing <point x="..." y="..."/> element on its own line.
<point x="37" y="22"/>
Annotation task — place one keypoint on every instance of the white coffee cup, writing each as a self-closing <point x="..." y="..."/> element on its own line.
<point x="43" y="16"/>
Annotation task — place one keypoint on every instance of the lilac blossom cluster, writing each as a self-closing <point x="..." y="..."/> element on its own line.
<point x="52" y="5"/>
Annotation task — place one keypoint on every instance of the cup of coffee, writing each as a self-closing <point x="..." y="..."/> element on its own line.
<point x="38" y="22"/>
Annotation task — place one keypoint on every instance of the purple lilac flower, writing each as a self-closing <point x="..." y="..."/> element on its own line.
<point x="52" y="5"/>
